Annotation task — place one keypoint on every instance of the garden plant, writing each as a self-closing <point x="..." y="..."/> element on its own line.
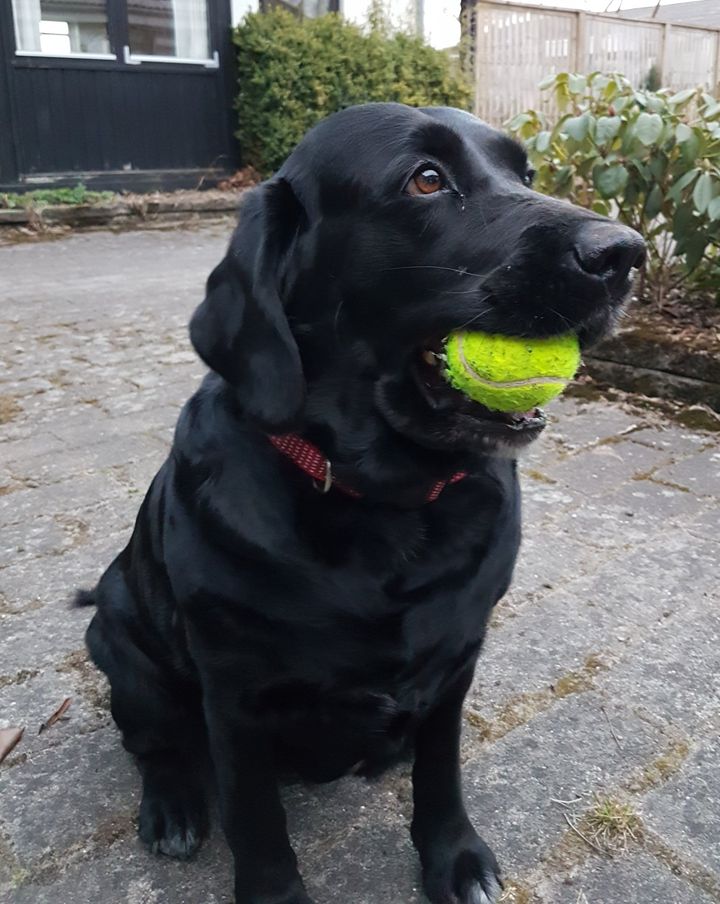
<point x="652" y="158"/>
<point x="292" y="72"/>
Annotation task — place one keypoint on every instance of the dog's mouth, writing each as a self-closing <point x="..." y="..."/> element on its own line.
<point x="517" y="428"/>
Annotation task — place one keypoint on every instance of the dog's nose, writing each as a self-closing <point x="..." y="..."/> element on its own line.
<point x="609" y="250"/>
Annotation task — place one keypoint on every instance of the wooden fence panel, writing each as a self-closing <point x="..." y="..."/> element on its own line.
<point x="690" y="57"/>
<point x="516" y="49"/>
<point x="625" y="46"/>
<point x="516" y="46"/>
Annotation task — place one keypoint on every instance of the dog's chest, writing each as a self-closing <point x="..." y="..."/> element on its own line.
<point x="388" y="637"/>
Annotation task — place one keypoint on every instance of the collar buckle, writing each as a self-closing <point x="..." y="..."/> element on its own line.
<point x="326" y="485"/>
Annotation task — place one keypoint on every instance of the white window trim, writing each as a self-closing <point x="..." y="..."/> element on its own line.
<point x="65" y="56"/>
<point x="133" y="59"/>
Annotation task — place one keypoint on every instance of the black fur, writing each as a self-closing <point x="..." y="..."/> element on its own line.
<point x="323" y="632"/>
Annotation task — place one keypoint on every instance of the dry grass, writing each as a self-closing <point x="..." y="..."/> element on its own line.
<point x="612" y="824"/>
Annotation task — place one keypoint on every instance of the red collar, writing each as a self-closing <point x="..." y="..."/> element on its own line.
<point x="311" y="460"/>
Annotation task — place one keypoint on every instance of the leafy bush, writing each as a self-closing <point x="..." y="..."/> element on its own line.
<point x="293" y="72"/>
<point x="650" y="158"/>
<point x="44" y="196"/>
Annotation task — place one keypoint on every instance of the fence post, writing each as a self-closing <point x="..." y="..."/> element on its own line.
<point x="580" y="33"/>
<point x="715" y="87"/>
<point x="474" y="16"/>
<point x="663" y="66"/>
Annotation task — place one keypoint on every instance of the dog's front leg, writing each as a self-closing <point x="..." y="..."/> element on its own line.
<point x="457" y="864"/>
<point x="252" y="813"/>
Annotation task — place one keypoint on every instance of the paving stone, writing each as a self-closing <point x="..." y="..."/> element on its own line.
<point x="700" y="473"/>
<point x="31" y="643"/>
<point x="604" y="614"/>
<point x="600" y="469"/>
<point x="577" y="423"/>
<point x="86" y="458"/>
<point x="31" y="699"/>
<point x="59" y="798"/>
<point x="634" y="877"/>
<point x="679" y="441"/>
<point x="601" y="668"/>
<point x="373" y="864"/>
<point x="654" y="503"/>
<point x="125" y="873"/>
<point x="685" y="813"/>
<point x="31" y="585"/>
<point x="563" y="753"/>
<point x="674" y="674"/>
<point x="67" y="496"/>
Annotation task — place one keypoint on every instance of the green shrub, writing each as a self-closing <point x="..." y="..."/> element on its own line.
<point x="44" y="196"/>
<point x="293" y="72"/>
<point x="650" y="158"/>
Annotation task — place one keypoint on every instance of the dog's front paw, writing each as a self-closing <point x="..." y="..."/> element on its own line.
<point x="173" y="824"/>
<point x="464" y="871"/>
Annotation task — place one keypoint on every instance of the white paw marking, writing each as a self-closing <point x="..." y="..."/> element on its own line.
<point x="479" y="896"/>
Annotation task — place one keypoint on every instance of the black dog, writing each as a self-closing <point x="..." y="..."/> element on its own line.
<point x="337" y="630"/>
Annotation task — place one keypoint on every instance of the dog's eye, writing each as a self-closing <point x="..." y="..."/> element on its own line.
<point x="529" y="177"/>
<point x="425" y="181"/>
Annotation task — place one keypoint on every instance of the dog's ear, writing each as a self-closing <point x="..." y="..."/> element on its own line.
<point x="240" y="330"/>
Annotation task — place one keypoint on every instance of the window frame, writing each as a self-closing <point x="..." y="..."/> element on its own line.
<point x="120" y="57"/>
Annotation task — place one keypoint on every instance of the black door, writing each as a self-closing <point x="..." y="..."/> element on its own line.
<point x="118" y="91"/>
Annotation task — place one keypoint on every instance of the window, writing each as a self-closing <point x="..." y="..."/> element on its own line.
<point x="61" y="27"/>
<point x="168" y="28"/>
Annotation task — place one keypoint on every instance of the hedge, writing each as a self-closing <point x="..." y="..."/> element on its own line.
<point x="293" y="72"/>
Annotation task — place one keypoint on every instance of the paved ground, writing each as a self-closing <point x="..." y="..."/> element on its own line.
<point x="599" y="687"/>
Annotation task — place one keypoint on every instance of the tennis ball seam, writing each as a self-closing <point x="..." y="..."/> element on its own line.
<point x="539" y="380"/>
<point x="556" y="359"/>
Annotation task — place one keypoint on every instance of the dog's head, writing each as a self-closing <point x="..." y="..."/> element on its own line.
<point x="385" y="230"/>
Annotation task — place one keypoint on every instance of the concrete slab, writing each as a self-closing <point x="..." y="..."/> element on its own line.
<point x="600" y="673"/>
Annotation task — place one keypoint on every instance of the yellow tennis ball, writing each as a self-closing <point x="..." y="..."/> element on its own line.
<point x="507" y="373"/>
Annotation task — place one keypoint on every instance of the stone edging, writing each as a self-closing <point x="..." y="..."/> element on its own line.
<point x="638" y="360"/>
<point x="124" y="211"/>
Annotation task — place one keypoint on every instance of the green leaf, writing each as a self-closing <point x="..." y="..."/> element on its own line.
<point x="712" y="110"/>
<point x="654" y="202"/>
<point x="601" y="207"/>
<point x="648" y="128"/>
<point x="577" y="84"/>
<point x="690" y="149"/>
<point x="610" y="181"/>
<point x="607" y="128"/>
<point x="563" y="177"/>
<point x="610" y="90"/>
<point x="694" y="250"/>
<point x="657" y="167"/>
<point x="685" y="180"/>
<point x="542" y="142"/>
<point x="547" y="82"/>
<point x="517" y="121"/>
<point x="713" y="210"/>
<point x="683" y="132"/>
<point x="682" y="97"/>
<point x="683" y="222"/>
<point x="703" y="192"/>
<point x="577" y="127"/>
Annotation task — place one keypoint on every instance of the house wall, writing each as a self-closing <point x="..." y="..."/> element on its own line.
<point x="115" y="122"/>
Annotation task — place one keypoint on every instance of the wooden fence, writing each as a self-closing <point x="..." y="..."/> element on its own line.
<point x="516" y="46"/>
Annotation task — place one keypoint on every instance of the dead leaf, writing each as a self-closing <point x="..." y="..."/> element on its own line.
<point x="9" y="737"/>
<point x="57" y="715"/>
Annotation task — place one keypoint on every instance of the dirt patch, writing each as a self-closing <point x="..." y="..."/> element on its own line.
<point x="92" y="683"/>
<point x="661" y="769"/>
<point x="520" y="709"/>
<point x="18" y="678"/>
<point x="9" y="409"/>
